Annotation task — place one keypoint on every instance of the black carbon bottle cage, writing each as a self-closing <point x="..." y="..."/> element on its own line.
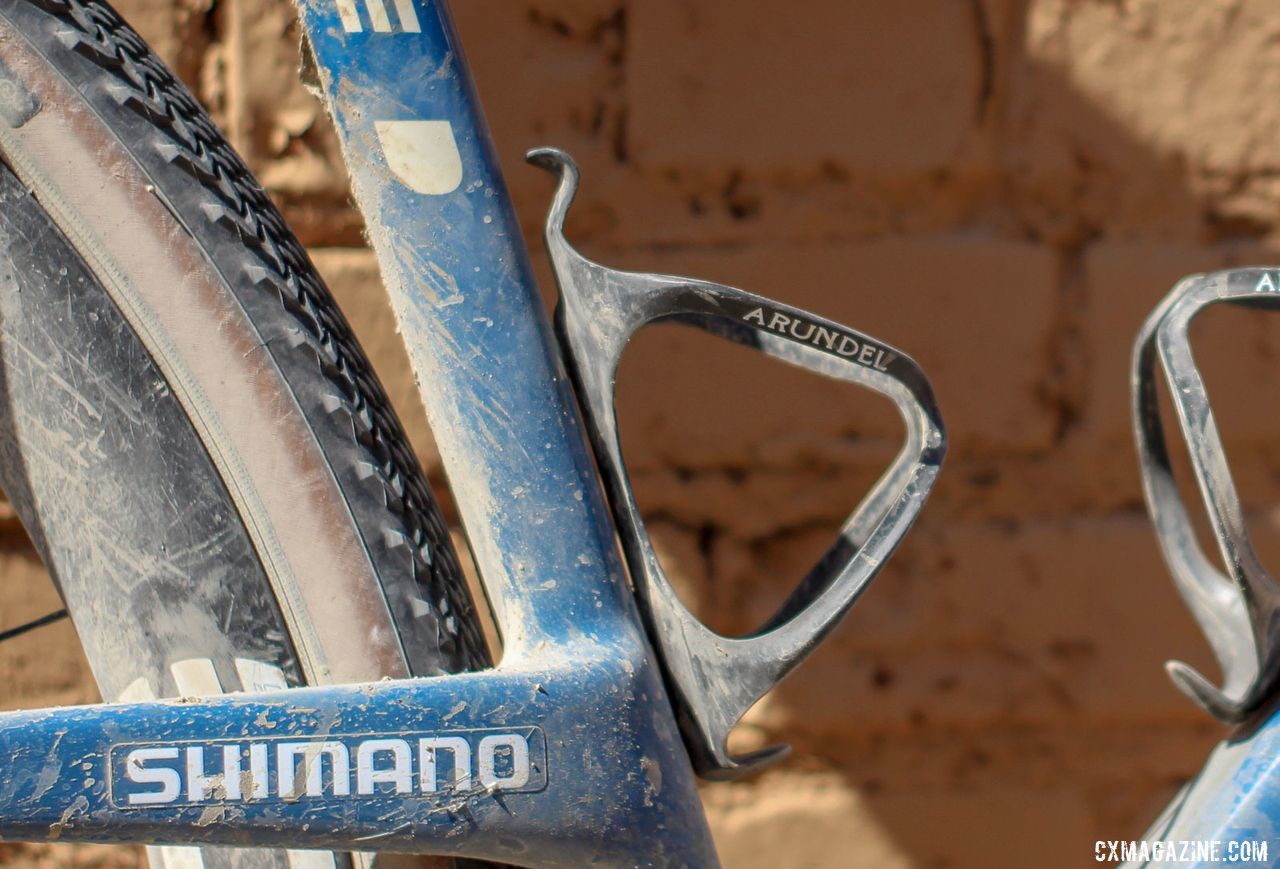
<point x="716" y="679"/>
<point x="1237" y="610"/>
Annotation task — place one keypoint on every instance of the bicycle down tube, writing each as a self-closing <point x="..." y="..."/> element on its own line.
<point x="568" y="752"/>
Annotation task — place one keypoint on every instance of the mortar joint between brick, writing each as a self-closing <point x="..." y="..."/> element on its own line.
<point x="1069" y="372"/>
<point x="986" y="61"/>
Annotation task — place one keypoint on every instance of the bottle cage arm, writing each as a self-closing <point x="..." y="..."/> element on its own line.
<point x="1236" y="609"/>
<point x="715" y="679"/>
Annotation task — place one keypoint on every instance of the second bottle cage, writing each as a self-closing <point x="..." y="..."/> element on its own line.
<point x="1238" y="610"/>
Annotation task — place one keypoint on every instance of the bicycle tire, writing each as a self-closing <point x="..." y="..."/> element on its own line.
<point x="189" y="426"/>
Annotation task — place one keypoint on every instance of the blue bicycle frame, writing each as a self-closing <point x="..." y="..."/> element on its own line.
<point x="568" y="752"/>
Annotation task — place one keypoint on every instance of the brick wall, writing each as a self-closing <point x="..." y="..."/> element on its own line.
<point x="1004" y="189"/>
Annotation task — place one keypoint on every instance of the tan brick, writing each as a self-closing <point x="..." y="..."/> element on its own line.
<point x="1234" y="348"/>
<point x="972" y="625"/>
<point x="639" y="206"/>
<point x="962" y="799"/>
<point x="898" y="85"/>
<point x="930" y="758"/>
<point x="53" y="856"/>
<point x="1152" y="117"/>
<point x="554" y="74"/>
<point x="1006" y="826"/>
<point x="1124" y="283"/>
<point x="759" y="500"/>
<point x="816" y="820"/>
<point x="1068" y="479"/>
<point x="548" y="73"/>
<point x="820" y="482"/>
<point x="44" y="667"/>
<point x="1161" y="69"/>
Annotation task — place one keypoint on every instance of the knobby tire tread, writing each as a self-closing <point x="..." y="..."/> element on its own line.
<point x="233" y="217"/>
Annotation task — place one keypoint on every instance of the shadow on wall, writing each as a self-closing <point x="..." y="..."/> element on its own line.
<point x="955" y="179"/>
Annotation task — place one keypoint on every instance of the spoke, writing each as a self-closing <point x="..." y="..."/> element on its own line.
<point x="31" y="626"/>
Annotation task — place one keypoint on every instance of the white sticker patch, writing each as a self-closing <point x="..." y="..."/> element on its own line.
<point x="259" y="676"/>
<point x="408" y="16"/>
<point x="171" y="857"/>
<point x="349" y="13"/>
<point x="311" y="860"/>
<point x="196" y="677"/>
<point x="184" y="673"/>
<point x="378" y="14"/>
<point x="350" y="16"/>
<point x="423" y="155"/>
<point x="139" y="691"/>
